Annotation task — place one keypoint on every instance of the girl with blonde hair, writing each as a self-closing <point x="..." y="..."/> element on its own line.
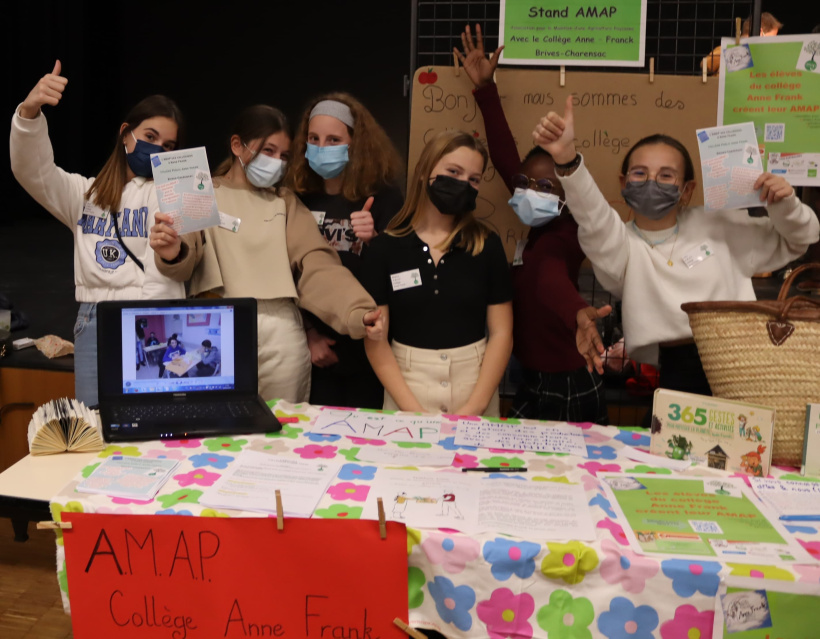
<point x="442" y="282"/>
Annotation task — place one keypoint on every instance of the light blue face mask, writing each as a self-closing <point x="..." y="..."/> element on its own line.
<point x="263" y="171"/>
<point x="534" y="208"/>
<point x="327" y="161"/>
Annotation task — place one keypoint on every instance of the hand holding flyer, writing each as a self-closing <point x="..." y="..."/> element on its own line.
<point x="184" y="189"/>
<point x="730" y="161"/>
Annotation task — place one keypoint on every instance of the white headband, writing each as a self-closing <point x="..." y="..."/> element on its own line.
<point x="334" y="109"/>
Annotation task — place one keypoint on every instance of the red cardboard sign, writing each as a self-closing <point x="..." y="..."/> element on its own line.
<point x="178" y="577"/>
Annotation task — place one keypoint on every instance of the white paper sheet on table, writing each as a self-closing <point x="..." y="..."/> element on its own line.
<point x="539" y="510"/>
<point x="792" y="500"/>
<point x="252" y="480"/>
<point x="386" y="426"/>
<point x="405" y="456"/>
<point x="656" y="460"/>
<point x="558" y="438"/>
<point x="129" y="477"/>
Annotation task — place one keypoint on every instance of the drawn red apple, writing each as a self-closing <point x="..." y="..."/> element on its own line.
<point x="428" y="77"/>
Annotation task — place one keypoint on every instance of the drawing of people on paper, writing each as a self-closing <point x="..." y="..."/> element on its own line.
<point x="448" y="505"/>
<point x="747" y="610"/>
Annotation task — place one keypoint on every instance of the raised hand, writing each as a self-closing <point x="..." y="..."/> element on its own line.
<point x="587" y="338"/>
<point x="49" y="90"/>
<point x="773" y="188"/>
<point x="479" y="68"/>
<point x="163" y="238"/>
<point x="362" y="222"/>
<point x="556" y="134"/>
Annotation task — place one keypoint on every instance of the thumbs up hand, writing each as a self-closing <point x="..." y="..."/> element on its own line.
<point x="362" y="222"/>
<point x="556" y="134"/>
<point x="49" y="90"/>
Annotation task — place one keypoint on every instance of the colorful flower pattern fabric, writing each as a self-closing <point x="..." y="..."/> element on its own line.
<point x="479" y="585"/>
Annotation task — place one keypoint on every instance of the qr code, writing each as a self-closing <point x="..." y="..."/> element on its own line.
<point x="705" y="527"/>
<point x="775" y="133"/>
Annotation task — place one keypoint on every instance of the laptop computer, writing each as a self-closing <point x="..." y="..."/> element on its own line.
<point x="177" y="369"/>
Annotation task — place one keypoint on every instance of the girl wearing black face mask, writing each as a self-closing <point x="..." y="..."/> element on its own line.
<point x="109" y="215"/>
<point x="442" y="282"/>
<point x="669" y="253"/>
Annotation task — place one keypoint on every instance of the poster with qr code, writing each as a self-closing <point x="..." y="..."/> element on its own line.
<point x="777" y="89"/>
<point x="676" y="516"/>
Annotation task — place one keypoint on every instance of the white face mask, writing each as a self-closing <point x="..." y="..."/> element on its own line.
<point x="263" y="171"/>
<point x="534" y="208"/>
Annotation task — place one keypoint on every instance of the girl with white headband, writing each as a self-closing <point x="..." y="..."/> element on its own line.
<point x="275" y="255"/>
<point x="344" y="169"/>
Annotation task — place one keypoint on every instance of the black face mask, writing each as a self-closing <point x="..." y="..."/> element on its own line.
<point x="452" y="196"/>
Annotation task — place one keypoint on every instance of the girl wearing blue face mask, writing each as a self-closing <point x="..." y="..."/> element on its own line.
<point x="344" y="169"/>
<point x="109" y="215"/>
<point x="669" y="253"/>
<point x="272" y="251"/>
<point x="555" y="383"/>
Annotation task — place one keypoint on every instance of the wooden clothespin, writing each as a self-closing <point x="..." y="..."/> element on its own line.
<point x="737" y="30"/>
<point x="410" y="632"/>
<point x="382" y="523"/>
<point x="703" y="68"/>
<point x="651" y="70"/>
<point x="280" y="514"/>
<point x="54" y="525"/>
<point x="456" y="67"/>
<point x="563" y="77"/>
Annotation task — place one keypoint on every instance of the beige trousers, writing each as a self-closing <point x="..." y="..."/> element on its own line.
<point x="284" y="358"/>
<point x="441" y="380"/>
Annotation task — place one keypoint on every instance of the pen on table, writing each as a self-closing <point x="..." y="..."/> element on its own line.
<point x="288" y="420"/>
<point x="494" y="470"/>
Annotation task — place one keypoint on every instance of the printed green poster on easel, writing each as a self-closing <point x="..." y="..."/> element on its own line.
<point x="774" y="82"/>
<point x="699" y="517"/>
<point x="573" y="33"/>
<point x="766" y="609"/>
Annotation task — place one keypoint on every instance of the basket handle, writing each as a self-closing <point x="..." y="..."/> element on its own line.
<point x="787" y="284"/>
<point x="784" y="313"/>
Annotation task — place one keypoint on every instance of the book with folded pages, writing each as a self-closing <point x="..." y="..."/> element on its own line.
<point x="64" y="425"/>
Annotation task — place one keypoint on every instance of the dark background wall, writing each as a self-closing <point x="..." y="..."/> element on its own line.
<point x="212" y="58"/>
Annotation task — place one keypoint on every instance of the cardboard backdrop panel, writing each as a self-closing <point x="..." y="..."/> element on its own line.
<point x="612" y="112"/>
<point x="188" y="577"/>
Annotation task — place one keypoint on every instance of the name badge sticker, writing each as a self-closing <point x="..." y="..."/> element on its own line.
<point x="319" y="216"/>
<point x="518" y="258"/>
<point x="89" y="208"/>
<point x="702" y="252"/>
<point x="229" y="222"/>
<point x="405" y="279"/>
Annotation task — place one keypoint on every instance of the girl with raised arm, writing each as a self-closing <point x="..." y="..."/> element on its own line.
<point x="109" y="215"/>
<point x="670" y="253"/>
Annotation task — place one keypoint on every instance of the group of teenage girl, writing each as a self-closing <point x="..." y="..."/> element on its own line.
<point x="370" y="299"/>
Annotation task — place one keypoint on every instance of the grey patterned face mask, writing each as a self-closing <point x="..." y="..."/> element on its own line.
<point x="650" y="199"/>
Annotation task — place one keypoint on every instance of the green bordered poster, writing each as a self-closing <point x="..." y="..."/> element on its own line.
<point x="766" y="609"/>
<point x="774" y="82"/>
<point x="716" y="517"/>
<point x="573" y="32"/>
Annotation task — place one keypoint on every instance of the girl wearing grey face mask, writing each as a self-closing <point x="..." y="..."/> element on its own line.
<point x="670" y="253"/>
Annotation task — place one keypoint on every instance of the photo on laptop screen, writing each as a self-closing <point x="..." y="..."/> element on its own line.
<point x="178" y="349"/>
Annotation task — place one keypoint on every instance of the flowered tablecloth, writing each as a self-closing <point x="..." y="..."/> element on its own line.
<point x="483" y="585"/>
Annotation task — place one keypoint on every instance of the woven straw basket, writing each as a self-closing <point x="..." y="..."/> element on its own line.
<point x="764" y="352"/>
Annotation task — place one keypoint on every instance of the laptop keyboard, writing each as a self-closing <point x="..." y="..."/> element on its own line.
<point x="195" y="410"/>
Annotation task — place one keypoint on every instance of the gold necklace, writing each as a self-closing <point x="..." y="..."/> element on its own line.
<point x="653" y="245"/>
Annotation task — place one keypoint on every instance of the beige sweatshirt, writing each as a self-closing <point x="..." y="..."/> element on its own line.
<point x="277" y="252"/>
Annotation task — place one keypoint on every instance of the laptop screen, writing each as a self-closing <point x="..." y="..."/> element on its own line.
<point x="178" y="349"/>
